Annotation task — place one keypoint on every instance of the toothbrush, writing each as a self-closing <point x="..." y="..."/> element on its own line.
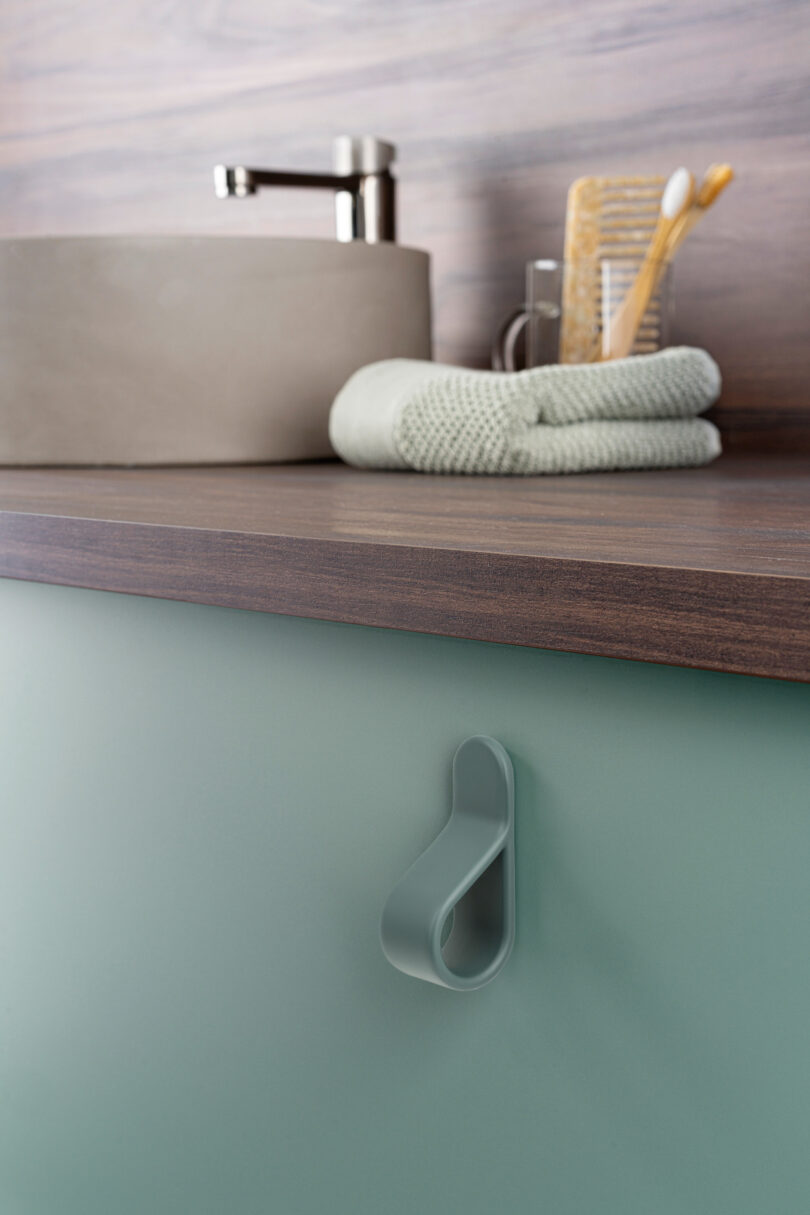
<point x="716" y="179"/>
<point x="618" y="336"/>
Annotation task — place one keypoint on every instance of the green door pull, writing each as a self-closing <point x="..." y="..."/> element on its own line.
<point x="451" y="919"/>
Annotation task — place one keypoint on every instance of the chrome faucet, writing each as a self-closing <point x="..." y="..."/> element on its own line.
<point x="364" y="189"/>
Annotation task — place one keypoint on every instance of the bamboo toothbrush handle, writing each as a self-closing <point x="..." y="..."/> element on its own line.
<point x="680" y="231"/>
<point x="619" y="331"/>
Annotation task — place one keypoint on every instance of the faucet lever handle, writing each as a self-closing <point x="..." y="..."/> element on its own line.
<point x="361" y="154"/>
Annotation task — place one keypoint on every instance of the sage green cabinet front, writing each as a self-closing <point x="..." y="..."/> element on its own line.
<point x="202" y="814"/>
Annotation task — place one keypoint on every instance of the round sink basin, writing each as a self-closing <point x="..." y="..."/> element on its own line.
<point x="193" y="349"/>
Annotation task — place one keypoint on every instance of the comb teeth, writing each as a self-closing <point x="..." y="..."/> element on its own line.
<point x="606" y="218"/>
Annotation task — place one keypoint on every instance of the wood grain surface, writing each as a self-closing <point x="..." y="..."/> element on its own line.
<point x="703" y="567"/>
<point x="112" y="114"/>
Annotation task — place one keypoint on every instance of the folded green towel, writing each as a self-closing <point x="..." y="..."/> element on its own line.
<point x="629" y="413"/>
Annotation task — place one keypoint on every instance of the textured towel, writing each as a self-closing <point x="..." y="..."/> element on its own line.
<point x="628" y="413"/>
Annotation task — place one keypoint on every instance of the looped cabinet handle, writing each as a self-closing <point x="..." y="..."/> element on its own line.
<point x="451" y="919"/>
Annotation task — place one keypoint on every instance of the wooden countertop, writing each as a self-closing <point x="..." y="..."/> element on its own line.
<point x="695" y="567"/>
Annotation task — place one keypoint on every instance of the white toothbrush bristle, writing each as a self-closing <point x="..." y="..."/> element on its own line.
<point x="676" y="193"/>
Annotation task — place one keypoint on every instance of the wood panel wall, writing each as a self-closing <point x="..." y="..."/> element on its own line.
<point x="112" y="113"/>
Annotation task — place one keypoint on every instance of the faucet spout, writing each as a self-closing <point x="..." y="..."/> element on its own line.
<point x="233" y="182"/>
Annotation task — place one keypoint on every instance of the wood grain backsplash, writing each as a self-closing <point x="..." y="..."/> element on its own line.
<point x="112" y="114"/>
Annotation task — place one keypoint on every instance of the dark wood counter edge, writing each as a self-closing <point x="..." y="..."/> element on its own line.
<point x="750" y="624"/>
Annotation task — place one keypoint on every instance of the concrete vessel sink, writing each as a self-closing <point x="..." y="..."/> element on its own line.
<point x="187" y="349"/>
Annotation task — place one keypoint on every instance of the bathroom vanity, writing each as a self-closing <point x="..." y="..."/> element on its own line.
<point x="204" y="809"/>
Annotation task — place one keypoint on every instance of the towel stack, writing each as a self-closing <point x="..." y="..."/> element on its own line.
<point x="629" y="413"/>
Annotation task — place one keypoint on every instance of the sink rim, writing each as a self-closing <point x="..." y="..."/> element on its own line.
<point x="317" y="242"/>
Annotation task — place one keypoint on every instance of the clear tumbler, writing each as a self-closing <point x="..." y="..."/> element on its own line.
<point x="567" y="315"/>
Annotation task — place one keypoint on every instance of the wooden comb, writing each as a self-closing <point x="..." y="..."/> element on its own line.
<point x="606" y="218"/>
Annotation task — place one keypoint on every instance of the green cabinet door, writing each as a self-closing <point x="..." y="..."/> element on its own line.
<point x="202" y="813"/>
